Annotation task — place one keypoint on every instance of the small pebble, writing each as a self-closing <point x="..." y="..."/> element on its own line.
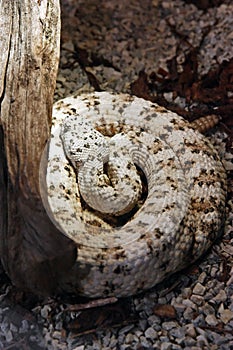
<point x="13" y="328"/>
<point x="126" y="329"/>
<point x="190" y="330"/>
<point x="214" y="271"/>
<point x="197" y="299"/>
<point x="166" y="346"/>
<point x="226" y="315"/>
<point x="154" y="320"/>
<point x="211" y="320"/>
<point x="207" y="309"/>
<point x="188" y="313"/>
<point x="199" y="289"/>
<point x="169" y="325"/>
<point x="202" y="277"/>
<point x="145" y="342"/>
<point x="220" y="297"/>
<point x="129" y="338"/>
<point x="189" y="342"/>
<point x="202" y="341"/>
<point x="69" y="46"/>
<point x="45" y="310"/>
<point x="57" y="335"/>
<point x="189" y="303"/>
<point x="178" y="332"/>
<point x="143" y="324"/>
<point x="151" y="333"/>
<point x="186" y="292"/>
<point x="176" y="347"/>
<point x="199" y="320"/>
<point x="9" y="336"/>
<point x="179" y="307"/>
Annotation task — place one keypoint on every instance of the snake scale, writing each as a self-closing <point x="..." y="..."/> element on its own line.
<point x="140" y="192"/>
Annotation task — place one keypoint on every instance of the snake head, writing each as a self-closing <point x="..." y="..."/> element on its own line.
<point x="82" y="143"/>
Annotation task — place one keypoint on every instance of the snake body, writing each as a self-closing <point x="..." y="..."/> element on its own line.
<point x="140" y="192"/>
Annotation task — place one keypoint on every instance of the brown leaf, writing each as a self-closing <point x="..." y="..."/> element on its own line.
<point x="165" y="311"/>
<point x="214" y="86"/>
<point x="204" y="4"/>
<point x="82" y="56"/>
<point x="93" y="81"/>
<point x="140" y="87"/>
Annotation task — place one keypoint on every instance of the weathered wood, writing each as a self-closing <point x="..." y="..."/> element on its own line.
<point x="33" y="252"/>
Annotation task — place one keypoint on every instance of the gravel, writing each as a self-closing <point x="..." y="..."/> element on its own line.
<point x="138" y="35"/>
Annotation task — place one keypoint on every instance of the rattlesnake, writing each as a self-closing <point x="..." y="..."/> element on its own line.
<point x="164" y="212"/>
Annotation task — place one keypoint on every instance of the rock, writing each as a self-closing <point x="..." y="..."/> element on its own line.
<point x="68" y="45"/>
<point x="199" y="320"/>
<point x="188" y="342"/>
<point x="220" y="297"/>
<point x="199" y="289"/>
<point x="143" y="324"/>
<point x="8" y="336"/>
<point x="211" y="320"/>
<point x="154" y="320"/>
<point x="178" y="332"/>
<point x="202" y="277"/>
<point x="81" y="347"/>
<point x="169" y="325"/>
<point x="197" y="299"/>
<point x="129" y="338"/>
<point x="113" y="342"/>
<point x="179" y="307"/>
<point x="45" y="310"/>
<point x="190" y="330"/>
<point x="166" y="346"/>
<point x="202" y="341"/>
<point x="226" y="315"/>
<point x="57" y="335"/>
<point x="189" y="303"/>
<point x="151" y="334"/>
<point x="207" y="309"/>
<point x="126" y="329"/>
<point x="214" y="271"/>
<point x="188" y="313"/>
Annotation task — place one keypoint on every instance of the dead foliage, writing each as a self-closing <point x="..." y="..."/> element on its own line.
<point x="225" y="268"/>
<point x="165" y="311"/>
<point x="210" y="94"/>
<point x="205" y="95"/>
<point x="205" y="4"/>
<point x="91" y="59"/>
<point x="208" y="97"/>
<point x="88" y="319"/>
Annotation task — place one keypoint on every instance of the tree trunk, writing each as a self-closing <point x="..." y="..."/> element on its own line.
<point x="33" y="252"/>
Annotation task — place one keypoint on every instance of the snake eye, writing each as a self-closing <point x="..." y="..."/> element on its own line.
<point x="78" y="163"/>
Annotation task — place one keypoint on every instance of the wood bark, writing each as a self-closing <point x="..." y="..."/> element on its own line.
<point x="33" y="252"/>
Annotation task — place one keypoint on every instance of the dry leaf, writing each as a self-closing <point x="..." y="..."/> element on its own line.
<point x="165" y="311"/>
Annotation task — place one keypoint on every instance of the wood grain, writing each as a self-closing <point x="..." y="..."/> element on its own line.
<point x="33" y="251"/>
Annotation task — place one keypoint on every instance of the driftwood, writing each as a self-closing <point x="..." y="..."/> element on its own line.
<point x="33" y="252"/>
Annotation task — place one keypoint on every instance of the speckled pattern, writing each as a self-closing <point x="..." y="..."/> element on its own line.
<point x="115" y="192"/>
<point x="176" y="223"/>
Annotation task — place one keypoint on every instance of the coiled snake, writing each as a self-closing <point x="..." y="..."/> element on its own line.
<point x="140" y="192"/>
